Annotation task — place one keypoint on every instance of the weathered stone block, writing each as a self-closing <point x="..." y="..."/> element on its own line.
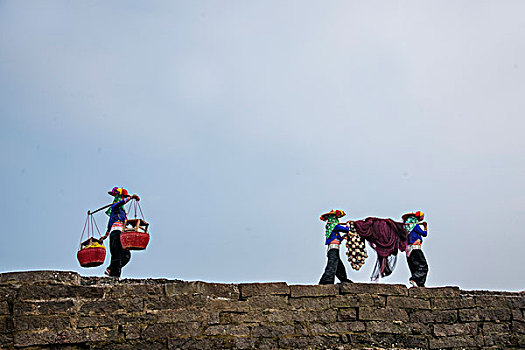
<point x="127" y="345"/>
<point x="65" y="336"/>
<point x="456" y="342"/>
<point x="244" y="343"/>
<point x="252" y="289"/>
<point x="289" y="316"/>
<point x="171" y="330"/>
<point x="228" y="329"/>
<point x="386" y="314"/>
<point x="312" y="342"/>
<point x="47" y="292"/>
<point x="107" y="306"/>
<point x="336" y="328"/>
<point x="6" y="341"/>
<point x="8" y="293"/>
<point x="206" y="343"/>
<point x="143" y="291"/>
<point x="498" y="341"/>
<point x="297" y="291"/>
<point x="517" y="340"/>
<point x="85" y="321"/>
<point x="176" y="302"/>
<point x="272" y="330"/>
<point x="224" y="304"/>
<point x="226" y="317"/>
<point x="183" y="315"/>
<point x="518" y="327"/>
<point x="264" y="344"/>
<point x="43" y="307"/>
<point x="407" y="302"/>
<point x="357" y="300"/>
<point x="489" y="292"/>
<point x="434" y="316"/>
<point x="36" y="277"/>
<point x="373" y="288"/>
<point x="495" y="328"/>
<point x="374" y="341"/>
<point x="446" y="303"/>
<point x="35" y="322"/>
<point x="213" y="318"/>
<point x="6" y="324"/>
<point x="255" y="343"/>
<point x="230" y="291"/>
<point x="412" y="341"/>
<point x="220" y="290"/>
<point x="447" y="330"/>
<point x="518" y="315"/>
<point x="280" y="316"/>
<point x="435" y="292"/>
<point x="263" y="302"/>
<point x="347" y="314"/>
<point x="314" y="316"/>
<point x="397" y="327"/>
<point x="301" y="328"/>
<point x="500" y="301"/>
<point x="134" y="318"/>
<point x="470" y="315"/>
<point x="131" y="332"/>
<point x="420" y="328"/>
<point x="313" y="303"/>
<point x="4" y="308"/>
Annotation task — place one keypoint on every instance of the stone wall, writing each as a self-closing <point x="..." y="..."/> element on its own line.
<point x="62" y="310"/>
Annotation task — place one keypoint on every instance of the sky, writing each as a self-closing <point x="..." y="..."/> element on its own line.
<point x="240" y="122"/>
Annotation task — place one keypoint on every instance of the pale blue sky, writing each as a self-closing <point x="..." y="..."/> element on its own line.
<point x="239" y="123"/>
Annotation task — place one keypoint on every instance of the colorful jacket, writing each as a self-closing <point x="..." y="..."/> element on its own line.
<point x="335" y="235"/>
<point x="416" y="234"/>
<point x="117" y="212"/>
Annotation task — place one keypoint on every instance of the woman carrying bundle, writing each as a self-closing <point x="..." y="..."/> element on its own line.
<point x="334" y="233"/>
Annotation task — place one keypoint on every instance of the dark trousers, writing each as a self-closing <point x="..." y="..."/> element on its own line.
<point x="418" y="267"/>
<point x="119" y="256"/>
<point x="334" y="268"/>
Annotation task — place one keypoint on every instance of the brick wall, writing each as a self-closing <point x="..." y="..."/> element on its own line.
<point x="62" y="310"/>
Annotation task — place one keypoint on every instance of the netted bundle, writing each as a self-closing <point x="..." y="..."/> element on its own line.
<point x="356" y="248"/>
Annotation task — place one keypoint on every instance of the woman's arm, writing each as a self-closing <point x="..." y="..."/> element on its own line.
<point x="420" y="231"/>
<point x="342" y="228"/>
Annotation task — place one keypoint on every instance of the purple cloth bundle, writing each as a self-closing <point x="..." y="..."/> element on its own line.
<point x="386" y="237"/>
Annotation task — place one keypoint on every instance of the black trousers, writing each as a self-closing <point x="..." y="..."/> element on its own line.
<point x="418" y="267"/>
<point x="119" y="256"/>
<point x="334" y="268"/>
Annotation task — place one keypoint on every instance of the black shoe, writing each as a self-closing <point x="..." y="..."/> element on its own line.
<point x="346" y="281"/>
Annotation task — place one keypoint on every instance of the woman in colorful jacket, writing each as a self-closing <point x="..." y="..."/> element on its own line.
<point x="417" y="229"/>
<point x="117" y="216"/>
<point x="334" y="236"/>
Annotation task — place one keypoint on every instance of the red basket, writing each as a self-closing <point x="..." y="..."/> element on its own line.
<point x="91" y="257"/>
<point x="132" y="240"/>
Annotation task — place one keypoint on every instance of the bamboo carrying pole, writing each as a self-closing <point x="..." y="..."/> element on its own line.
<point x="99" y="209"/>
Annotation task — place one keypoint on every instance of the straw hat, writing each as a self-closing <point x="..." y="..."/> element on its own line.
<point x="338" y="214"/>
<point x="418" y="214"/>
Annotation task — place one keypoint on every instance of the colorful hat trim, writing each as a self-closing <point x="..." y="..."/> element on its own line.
<point x="337" y="213"/>
<point x="123" y="192"/>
